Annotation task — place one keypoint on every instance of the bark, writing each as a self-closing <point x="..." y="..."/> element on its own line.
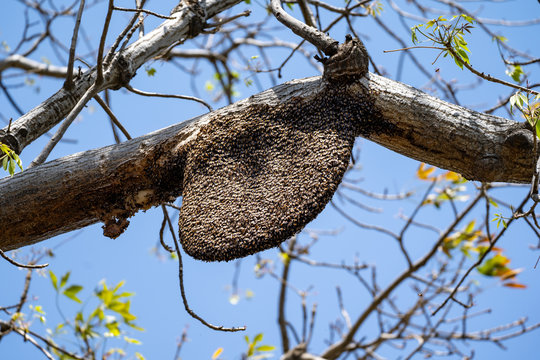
<point x="125" y="63"/>
<point x="112" y="183"/>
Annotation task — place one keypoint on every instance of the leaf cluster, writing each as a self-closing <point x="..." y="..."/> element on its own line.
<point x="447" y="36"/>
<point x="471" y="239"/>
<point x="9" y="159"/>
<point x="529" y="106"/>
<point x="106" y="320"/>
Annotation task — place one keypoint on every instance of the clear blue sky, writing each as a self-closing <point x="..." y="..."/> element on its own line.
<point x="92" y="257"/>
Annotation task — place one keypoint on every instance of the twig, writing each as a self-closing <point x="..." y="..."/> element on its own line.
<point x="24" y="333"/>
<point x="129" y="27"/>
<point x="335" y="350"/>
<point x="99" y="77"/>
<point x="182" y="341"/>
<point x="283" y="296"/>
<point x="322" y="41"/>
<point x="113" y="118"/>
<point x="183" y="294"/>
<point x="306" y="13"/>
<point x="521" y="63"/>
<point x="162" y="229"/>
<point x="26" y="266"/>
<point x="64" y="126"/>
<point x="344" y="312"/>
<point x="26" y="337"/>
<point x="487" y="76"/>
<point x="185" y="97"/>
<point x="227" y="20"/>
<point x="363" y="225"/>
<point x="68" y="84"/>
<point x="144" y="11"/>
<point x="480" y="259"/>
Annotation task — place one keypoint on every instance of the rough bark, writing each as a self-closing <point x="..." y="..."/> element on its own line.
<point x="112" y="183"/>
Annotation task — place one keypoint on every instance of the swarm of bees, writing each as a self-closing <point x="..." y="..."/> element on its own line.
<point x="252" y="181"/>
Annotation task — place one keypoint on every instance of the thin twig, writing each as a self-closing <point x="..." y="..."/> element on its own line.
<point x="68" y="84"/>
<point x="183" y="294"/>
<point x="283" y="296"/>
<point x="129" y="27"/>
<point x="26" y="337"/>
<point x="335" y="350"/>
<point x="64" y="126"/>
<point x="185" y="97"/>
<point x="480" y="259"/>
<point x="113" y="118"/>
<point x="227" y="20"/>
<point x="99" y="77"/>
<point x="161" y="230"/>
<point x="144" y="11"/>
<point x="26" y="266"/>
<point x="487" y="76"/>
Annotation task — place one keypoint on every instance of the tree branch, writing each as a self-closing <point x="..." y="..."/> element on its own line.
<point x="114" y="182"/>
<point x="42" y="118"/>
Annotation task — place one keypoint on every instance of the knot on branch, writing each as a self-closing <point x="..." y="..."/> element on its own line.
<point x="123" y="72"/>
<point x="349" y="63"/>
<point x="114" y="226"/>
<point x="11" y="140"/>
<point x="295" y="353"/>
<point x="198" y="16"/>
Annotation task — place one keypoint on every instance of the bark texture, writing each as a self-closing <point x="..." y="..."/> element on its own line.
<point x="112" y="183"/>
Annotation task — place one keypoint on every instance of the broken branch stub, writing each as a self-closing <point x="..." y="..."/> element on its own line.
<point x="349" y="63"/>
<point x="253" y="180"/>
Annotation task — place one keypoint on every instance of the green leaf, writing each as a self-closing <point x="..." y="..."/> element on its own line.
<point x="150" y="71"/>
<point x="494" y="266"/>
<point x="54" y="280"/>
<point x="72" y="291"/>
<point x="113" y="328"/>
<point x="39" y="309"/>
<point x="98" y="312"/>
<point x="468" y="18"/>
<point x="513" y="100"/>
<point x="265" y="348"/>
<point x="64" y="279"/>
<point x="11" y="169"/>
<point x="18" y="160"/>
<point x="515" y="72"/>
<point x="463" y="55"/>
<point x="470" y="227"/>
<point x="258" y="338"/>
<point x="492" y="202"/>
<point x="457" y="61"/>
<point x="132" y="341"/>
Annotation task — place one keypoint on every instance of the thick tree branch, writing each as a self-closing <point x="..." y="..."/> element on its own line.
<point x="112" y="183"/>
<point x="50" y="112"/>
<point x="34" y="67"/>
<point x="322" y="41"/>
